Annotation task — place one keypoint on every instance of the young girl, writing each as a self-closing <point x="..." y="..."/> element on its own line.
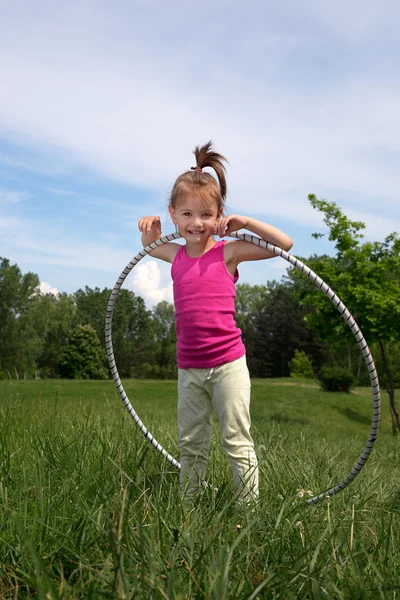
<point x="212" y="370"/>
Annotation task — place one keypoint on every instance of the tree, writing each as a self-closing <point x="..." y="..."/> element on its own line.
<point x="281" y="328"/>
<point x="46" y="325"/>
<point x="301" y="366"/>
<point x="91" y="308"/>
<point x="132" y="329"/>
<point x="273" y="326"/>
<point x="82" y="357"/>
<point x="165" y="341"/>
<point x="366" y="276"/>
<point x="249" y="300"/>
<point x="16" y="295"/>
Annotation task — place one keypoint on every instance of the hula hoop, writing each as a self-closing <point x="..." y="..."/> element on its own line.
<point x="320" y="284"/>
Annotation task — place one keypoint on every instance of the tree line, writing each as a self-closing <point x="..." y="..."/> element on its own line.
<point x="63" y="336"/>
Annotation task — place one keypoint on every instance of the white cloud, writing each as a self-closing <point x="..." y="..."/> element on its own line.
<point x="46" y="288"/>
<point x="11" y="196"/>
<point x="8" y="225"/>
<point x="146" y="282"/>
<point x="356" y="20"/>
<point x="54" y="244"/>
<point x="377" y="227"/>
<point x="294" y="111"/>
<point x="134" y="109"/>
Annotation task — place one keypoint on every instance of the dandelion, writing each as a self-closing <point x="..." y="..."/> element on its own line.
<point x="300" y="526"/>
<point x="301" y="493"/>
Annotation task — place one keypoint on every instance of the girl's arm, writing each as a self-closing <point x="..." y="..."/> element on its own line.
<point x="150" y="228"/>
<point x="240" y="251"/>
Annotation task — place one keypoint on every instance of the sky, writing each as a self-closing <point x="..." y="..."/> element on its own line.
<point x="101" y="105"/>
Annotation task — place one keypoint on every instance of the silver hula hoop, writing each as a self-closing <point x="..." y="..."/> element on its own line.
<point x="320" y="284"/>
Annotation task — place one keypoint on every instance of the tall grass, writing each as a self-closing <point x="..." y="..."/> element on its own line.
<point x="89" y="510"/>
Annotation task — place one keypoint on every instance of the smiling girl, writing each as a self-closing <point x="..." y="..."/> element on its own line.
<point x="212" y="369"/>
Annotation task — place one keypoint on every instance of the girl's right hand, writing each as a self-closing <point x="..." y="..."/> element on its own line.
<point x="147" y="224"/>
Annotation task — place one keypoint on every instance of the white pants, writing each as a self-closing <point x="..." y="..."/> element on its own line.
<point x="227" y="390"/>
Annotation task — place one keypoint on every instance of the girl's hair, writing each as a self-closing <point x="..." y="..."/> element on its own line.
<point x="202" y="183"/>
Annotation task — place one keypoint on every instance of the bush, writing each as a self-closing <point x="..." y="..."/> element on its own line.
<point x="83" y="356"/>
<point x="156" y="372"/>
<point x="335" y="379"/>
<point x="301" y="366"/>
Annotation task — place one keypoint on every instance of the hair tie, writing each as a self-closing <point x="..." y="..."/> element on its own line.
<point x="198" y="169"/>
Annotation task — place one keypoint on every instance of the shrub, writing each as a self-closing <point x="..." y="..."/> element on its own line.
<point x="148" y="371"/>
<point x="83" y="356"/>
<point x="335" y="379"/>
<point x="301" y="366"/>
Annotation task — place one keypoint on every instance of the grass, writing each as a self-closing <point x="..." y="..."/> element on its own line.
<point x="89" y="510"/>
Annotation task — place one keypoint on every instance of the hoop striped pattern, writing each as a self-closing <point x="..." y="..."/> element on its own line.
<point x="321" y="285"/>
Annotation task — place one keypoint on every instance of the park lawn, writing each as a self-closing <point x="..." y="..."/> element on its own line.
<point x="88" y="509"/>
<point x="297" y="401"/>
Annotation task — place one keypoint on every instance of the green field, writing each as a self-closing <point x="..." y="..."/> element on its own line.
<point x="89" y="510"/>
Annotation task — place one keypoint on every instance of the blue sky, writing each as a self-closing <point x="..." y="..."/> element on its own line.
<point x="102" y="103"/>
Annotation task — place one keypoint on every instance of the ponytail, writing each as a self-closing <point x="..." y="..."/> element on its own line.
<point x="206" y="157"/>
<point x="198" y="181"/>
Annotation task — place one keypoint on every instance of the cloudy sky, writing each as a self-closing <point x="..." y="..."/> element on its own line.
<point x="102" y="103"/>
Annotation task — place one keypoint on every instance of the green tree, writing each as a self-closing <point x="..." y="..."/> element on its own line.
<point x="301" y="365"/>
<point x="165" y="341"/>
<point x="16" y="295"/>
<point x="46" y="325"/>
<point x="83" y="356"/>
<point x="281" y="328"/>
<point x="273" y="326"/>
<point x="249" y="300"/>
<point x="91" y="308"/>
<point x="366" y="276"/>
<point x="132" y="327"/>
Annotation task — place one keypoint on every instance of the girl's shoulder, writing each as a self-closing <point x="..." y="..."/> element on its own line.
<point x="237" y="251"/>
<point x="166" y="252"/>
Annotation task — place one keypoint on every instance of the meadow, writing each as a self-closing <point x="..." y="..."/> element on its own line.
<point x="89" y="510"/>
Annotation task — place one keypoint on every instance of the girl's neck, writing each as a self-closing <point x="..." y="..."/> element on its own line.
<point x="196" y="250"/>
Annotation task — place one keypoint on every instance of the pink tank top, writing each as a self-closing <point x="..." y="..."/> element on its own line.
<point x="204" y="298"/>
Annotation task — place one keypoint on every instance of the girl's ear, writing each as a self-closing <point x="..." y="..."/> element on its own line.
<point x="172" y="214"/>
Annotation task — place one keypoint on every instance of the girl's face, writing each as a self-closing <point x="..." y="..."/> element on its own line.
<point x="196" y="218"/>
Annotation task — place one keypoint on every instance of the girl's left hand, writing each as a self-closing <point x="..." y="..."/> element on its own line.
<point x="230" y="223"/>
